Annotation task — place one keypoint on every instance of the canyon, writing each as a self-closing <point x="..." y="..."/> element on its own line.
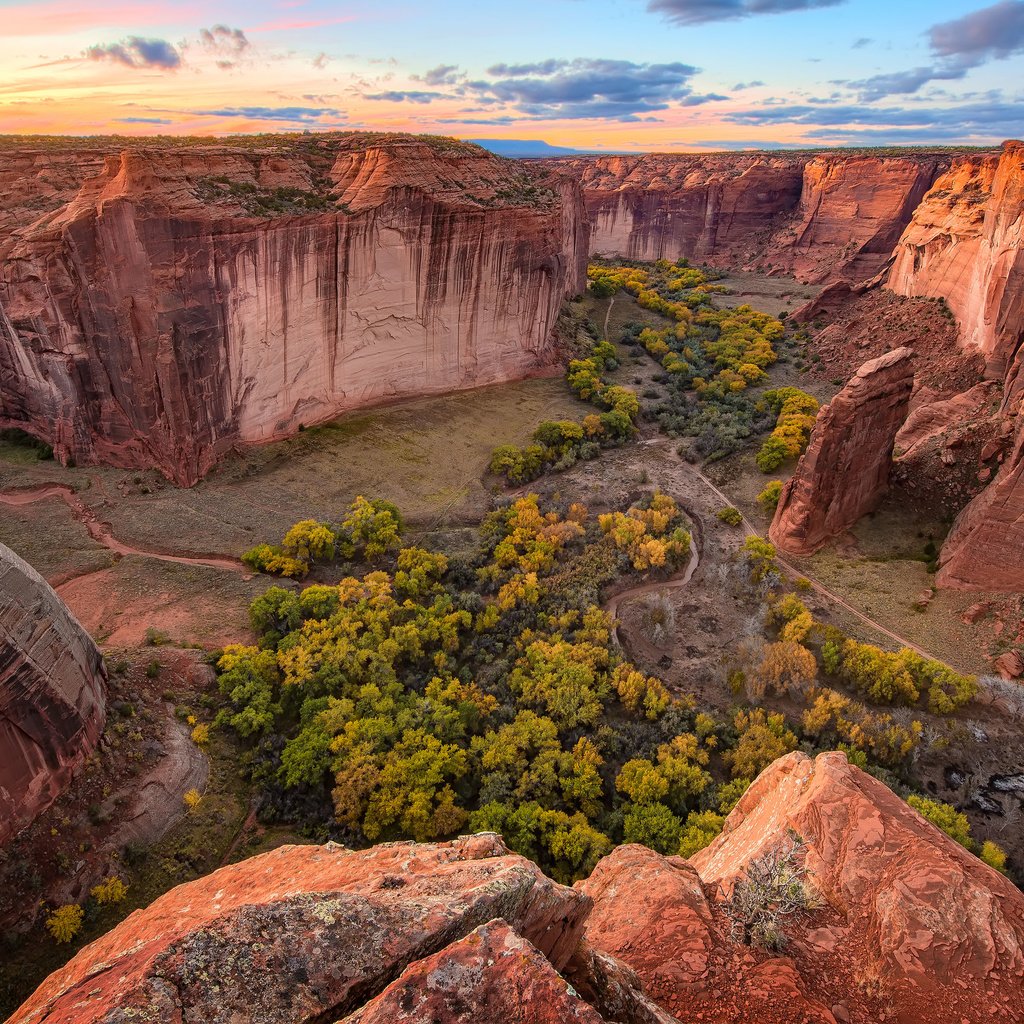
<point x="162" y="305"/>
<point x="174" y="302"/>
<point x="941" y="225"/>
<point x="897" y="923"/>
<point x="52" y="694"/>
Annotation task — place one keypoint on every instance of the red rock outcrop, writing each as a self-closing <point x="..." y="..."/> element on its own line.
<point x="914" y="923"/>
<point x="493" y="976"/>
<point x="307" y="933"/>
<point x="965" y="244"/>
<point x="985" y="548"/>
<point x="845" y="471"/>
<point x="835" y="215"/>
<point x="900" y="924"/>
<point x="52" y="694"/>
<point x="192" y="298"/>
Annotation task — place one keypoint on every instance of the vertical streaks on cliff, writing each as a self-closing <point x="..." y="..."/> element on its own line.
<point x="187" y="325"/>
<point x="52" y="693"/>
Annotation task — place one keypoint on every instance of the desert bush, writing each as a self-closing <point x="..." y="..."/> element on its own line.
<point x="111" y="890"/>
<point x="65" y="922"/>
<point x="772" y="890"/>
<point x="770" y="494"/>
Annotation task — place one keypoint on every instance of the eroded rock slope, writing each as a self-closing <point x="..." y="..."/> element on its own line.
<point x="899" y="924"/>
<point x="52" y="694"/>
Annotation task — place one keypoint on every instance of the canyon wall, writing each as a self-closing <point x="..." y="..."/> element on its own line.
<point x="964" y="245"/>
<point x="52" y="694"/>
<point x="819" y="217"/>
<point x="902" y="924"/>
<point x="187" y="299"/>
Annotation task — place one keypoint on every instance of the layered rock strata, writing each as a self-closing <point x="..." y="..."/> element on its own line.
<point x="189" y="299"/>
<point x="964" y="245"/>
<point x="845" y="471"/>
<point x="825" y="217"/>
<point x="52" y="694"/>
<point x="897" y="923"/>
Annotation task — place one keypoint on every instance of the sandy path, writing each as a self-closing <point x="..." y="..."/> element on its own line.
<point x="101" y="532"/>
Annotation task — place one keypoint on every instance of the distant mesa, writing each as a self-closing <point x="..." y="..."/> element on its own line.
<point x="525" y="148"/>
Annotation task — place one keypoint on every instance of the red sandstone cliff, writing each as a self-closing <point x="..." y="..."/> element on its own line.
<point x="901" y="925"/>
<point x="845" y="471"/>
<point x="824" y="217"/>
<point x="52" y="694"/>
<point x="188" y="299"/>
<point x="965" y="245"/>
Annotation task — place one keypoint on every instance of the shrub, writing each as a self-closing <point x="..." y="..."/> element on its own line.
<point x="730" y="516"/>
<point x="65" y="922"/>
<point x="700" y="830"/>
<point x="192" y="799"/>
<point x="763" y="738"/>
<point x="993" y="855"/>
<point x="796" y="412"/>
<point x="772" y="890"/>
<point x="944" y="817"/>
<point x="770" y="494"/>
<point x="112" y="890"/>
<point x="201" y="735"/>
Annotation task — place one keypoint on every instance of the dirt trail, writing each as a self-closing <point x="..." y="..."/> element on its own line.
<point x="101" y="532"/>
<point x="820" y="588"/>
<point x="607" y="315"/>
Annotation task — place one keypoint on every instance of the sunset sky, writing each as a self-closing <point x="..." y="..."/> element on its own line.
<point x="590" y="74"/>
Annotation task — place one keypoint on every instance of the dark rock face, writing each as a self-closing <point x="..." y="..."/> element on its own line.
<point x="52" y="694"/>
<point x="169" y="310"/>
<point x="845" y="471"/>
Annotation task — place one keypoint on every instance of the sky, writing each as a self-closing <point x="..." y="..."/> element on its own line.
<point x="597" y="75"/>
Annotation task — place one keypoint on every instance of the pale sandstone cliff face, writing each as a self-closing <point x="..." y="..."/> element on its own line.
<point x="832" y="216"/>
<point x="906" y="926"/>
<point x="845" y="471"/>
<point x="965" y="245"/>
<point x="52" y="694"/>
<point x="160" y="317"/>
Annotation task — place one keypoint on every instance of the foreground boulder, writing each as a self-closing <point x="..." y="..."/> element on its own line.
<point x="845" y="471"/>
<point x="52" y="694"/>
<point x="305" y="933"/>
<point x="894" y="923"/>
<point x="493" y="976"/>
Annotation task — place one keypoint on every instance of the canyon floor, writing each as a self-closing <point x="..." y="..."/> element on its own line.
<point x="153" y="572"/>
